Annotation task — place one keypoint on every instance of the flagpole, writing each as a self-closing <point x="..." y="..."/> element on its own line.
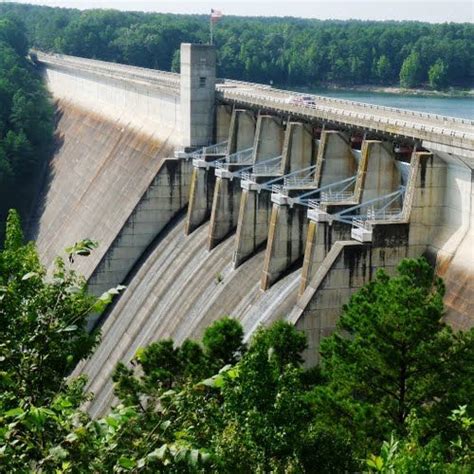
<point x="211" y="22"/>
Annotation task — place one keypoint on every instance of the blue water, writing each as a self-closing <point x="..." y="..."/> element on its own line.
<point x="451" y="106"/>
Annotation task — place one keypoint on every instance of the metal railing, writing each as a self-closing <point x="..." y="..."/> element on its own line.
<point x="294" y="181"/>
<point x="385" y="207"/>
<point x="216" y="149"/>
<point x="333" y="188"/>
<point x="364" y="116"/>
<point x="366" y="222"/>
<point x="169" y="79"/>
<point x="268" y="167"/>
<point x="241" y="157"/>
<point x="332" y="196"/>
<point x="286" y="95"/>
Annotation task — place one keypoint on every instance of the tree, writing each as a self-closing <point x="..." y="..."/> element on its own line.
<point x="223" y="342"/>
<point x="410" y="72"/>
<point x="26" y="120"/>
<point x="393" y="354"/>
<point x="42" y="323"/>
<point x="416" y="454"/>
<point x="438" y="75"/>
<point x="383" y="69"/>
<point x="42" y="337"/>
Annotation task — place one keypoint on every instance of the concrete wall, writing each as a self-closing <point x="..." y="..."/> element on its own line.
<point x="164" y="198"/>
<point x="241" y="130"/>
<point x="225" y="210"/>
<point x="269" y="137"/>
<point x="252" y="226"/>
<point x="346" y="268"/>
<point x="335" y="159"/>
<point x="381" y="176"/>
<point x="201" y="195"/>
<point x="298" y="148"/>
<point x="146" y="108"/>
<point x="94" y="181"/>
<point x="285" y="246"/>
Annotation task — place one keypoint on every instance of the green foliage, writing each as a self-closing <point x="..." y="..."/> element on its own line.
<point x="392" y="371"/>
<point x="410" y="73"/>
<point x="414" y="454"/>
<point x="293" y="51"/>
<point x="42" y="338"/>
<point x="393" y="354"/>
<point x="26" y="120"/>
<point x="384" y="69"/>
<point x="223" y="342"/>
<point x="438" y="75"/>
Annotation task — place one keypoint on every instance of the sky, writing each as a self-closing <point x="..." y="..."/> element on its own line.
<point x="435" y="11"/>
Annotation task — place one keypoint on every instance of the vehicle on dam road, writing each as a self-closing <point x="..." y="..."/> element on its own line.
<point x="301" y="100"/>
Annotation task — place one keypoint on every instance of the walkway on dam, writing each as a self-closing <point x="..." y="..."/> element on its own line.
<point x="439" y="129"/>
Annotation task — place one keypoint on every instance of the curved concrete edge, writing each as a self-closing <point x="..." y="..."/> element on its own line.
<point x="165" y="197"/>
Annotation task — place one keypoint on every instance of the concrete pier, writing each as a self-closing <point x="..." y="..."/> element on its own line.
<point x="225" y="210"/>
<point x="253" y="223"/>
<point x="285" y="242"/>
<point x="201" y="194"/>
<point x="299" y="147"/>
<point x="265" y="137"/>
<point x="335" y="162"/>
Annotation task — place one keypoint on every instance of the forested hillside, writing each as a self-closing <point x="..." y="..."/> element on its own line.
<point x="396" y="383"/>
<point x="26" y="120"/>
<point x="287" y="51"/>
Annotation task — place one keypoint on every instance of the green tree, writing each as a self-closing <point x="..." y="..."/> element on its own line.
<point x="416" y="453"/>
<point x="410" y="72"/>
<point x="42" y="323"/>
<point x="42" y="337"/>
<point x="223" y="342"/>
<point x="438" y="75"/>
<point x="393" y="354"/>
<point x="383" y="69"/>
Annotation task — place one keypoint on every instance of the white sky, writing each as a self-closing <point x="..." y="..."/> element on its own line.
<point x="421" y="10"/>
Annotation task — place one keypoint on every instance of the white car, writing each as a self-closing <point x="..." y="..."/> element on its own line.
<point x="301" y="100"/>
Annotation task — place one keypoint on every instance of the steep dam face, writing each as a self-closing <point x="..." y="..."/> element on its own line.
<point x="206" y="201"/>
<point x="95" y="179"/>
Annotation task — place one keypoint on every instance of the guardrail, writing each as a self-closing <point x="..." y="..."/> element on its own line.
<point x="366" y="222"/>
<point x="294" y="181"/>
<point x="358" y="118"/>
<point x="333" y="100"/>
<point x="93" y="65"/>
<point x="268" y="167"/>
<point x="336" y="196"/>
<point x="216" y="149"/>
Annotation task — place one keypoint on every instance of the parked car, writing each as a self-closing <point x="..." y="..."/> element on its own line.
<point x="301" y="100"/>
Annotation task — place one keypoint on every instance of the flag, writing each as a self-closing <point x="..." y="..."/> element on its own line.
<point x="216" y="15"/>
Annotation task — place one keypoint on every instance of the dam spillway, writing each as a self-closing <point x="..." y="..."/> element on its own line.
<point x="292" y="210"/>
<point x="178" y="291"/>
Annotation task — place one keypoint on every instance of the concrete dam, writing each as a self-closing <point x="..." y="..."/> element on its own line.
<point x="214" y="197"/>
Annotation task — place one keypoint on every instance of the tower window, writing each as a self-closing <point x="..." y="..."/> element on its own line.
<point x="202" y="82"/>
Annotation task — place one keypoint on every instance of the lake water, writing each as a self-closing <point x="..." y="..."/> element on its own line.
<point x="451" y="106"/>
